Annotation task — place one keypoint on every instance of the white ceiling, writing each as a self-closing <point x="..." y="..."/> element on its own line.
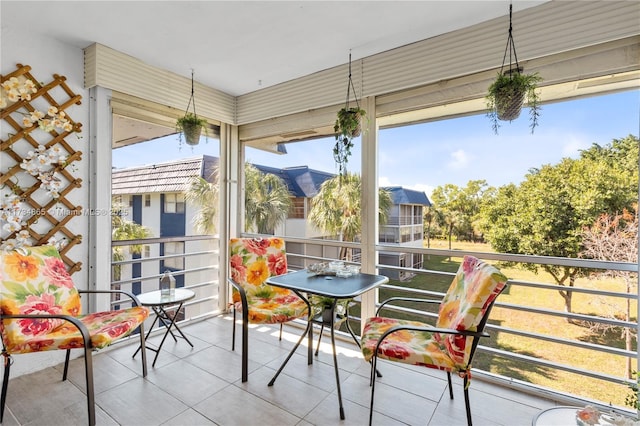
<point x="242" y="46"/>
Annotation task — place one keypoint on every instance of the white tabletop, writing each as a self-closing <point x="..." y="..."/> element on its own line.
<point x="566" y="416"/>
<point x="155" y="298"/>
<point x="556" y="416"/>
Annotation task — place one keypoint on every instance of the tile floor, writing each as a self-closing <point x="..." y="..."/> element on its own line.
<point x="202" y="386"/>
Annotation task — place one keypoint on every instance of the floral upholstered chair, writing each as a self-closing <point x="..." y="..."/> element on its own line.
<point x="252" y="261"/>
<point x="450" y="345"/>
<point x="41" y="311"/>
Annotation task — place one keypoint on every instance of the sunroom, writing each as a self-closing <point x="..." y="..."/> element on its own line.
<point x="133" y="66"/>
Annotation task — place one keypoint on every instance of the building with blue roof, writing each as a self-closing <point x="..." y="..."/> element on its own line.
<point x="157" y="185"/>
<point x="404" y="227"/>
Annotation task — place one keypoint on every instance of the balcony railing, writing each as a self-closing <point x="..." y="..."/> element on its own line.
<point x="597" y="369"/>
<point x="200" y="272"/>
<point x="523" y="351"/>
<point x="404" y="220"/>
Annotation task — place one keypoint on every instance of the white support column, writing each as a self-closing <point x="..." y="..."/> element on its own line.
<point x="228" y="176"/>
<point x="369" y="200"/>
<point x="99" y="238"/>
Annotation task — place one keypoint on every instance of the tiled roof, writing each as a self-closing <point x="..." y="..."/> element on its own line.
<point x="166" y="177"/>
<point x="301" y="181"/>
<point x="401" y="195"/>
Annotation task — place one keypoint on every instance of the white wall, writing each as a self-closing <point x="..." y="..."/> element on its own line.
<point x="47" y="57"/>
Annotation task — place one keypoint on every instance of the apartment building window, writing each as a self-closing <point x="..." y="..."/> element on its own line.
<point x="147" y="251"/>
<point x="405" y="235"/>
<point x="417" y="215"/>
<point x="173" y="248"/>
<point x="388" y="235"/>
<point x="147" y="200"/>
<point x="405" y="215"/>
<point x="174" y="203"/>
<point x="297" y="208"/>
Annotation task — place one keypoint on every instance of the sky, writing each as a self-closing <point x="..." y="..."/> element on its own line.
<point x="425" y="156"/>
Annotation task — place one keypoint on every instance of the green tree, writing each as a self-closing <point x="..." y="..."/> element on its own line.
<point x="498" y="217"/>
<point x="445" y="198"/>
<point x="546" y="213"/>
<point x="123" y="229"/>
<point x="267" y="200"/>
<point x="204" y="195"/>
<point x="458" y="208"/>
<point x="336" y="209"/>
<point x="432" y="217"/>
<point x="621" y="154"/>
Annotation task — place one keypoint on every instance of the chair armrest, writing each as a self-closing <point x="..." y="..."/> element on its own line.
<point x="405" y="299"/>
<point x="243" y="298"/>
<point x="86" y="336"/>
<point x="133" y="297"/>
<point x="431" y="330"/>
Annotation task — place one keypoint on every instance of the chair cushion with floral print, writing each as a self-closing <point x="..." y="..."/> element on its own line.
<point x="473" y="289"/>
<point x="34" y="280"/>
<point x="252" y="261"/>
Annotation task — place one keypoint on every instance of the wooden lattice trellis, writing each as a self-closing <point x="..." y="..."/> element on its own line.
<point x="21" y="139"/>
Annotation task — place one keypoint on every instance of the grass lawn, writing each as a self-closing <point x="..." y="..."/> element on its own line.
<point x="577" y="384"/>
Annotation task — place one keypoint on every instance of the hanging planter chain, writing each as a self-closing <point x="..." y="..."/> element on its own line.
<point x="510" y="110"/>
<point x="510" y="48"/>
<point x="192" y="99"/>
<point x="351" y="87"/>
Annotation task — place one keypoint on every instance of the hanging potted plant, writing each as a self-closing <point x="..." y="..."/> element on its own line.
<point x="508" y="92"/>
<point x="191" y="126"/>
<point x="347" y="126"/>
<point x="348" y="123"/>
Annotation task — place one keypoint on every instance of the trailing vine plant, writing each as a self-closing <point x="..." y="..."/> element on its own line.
<point x="347" y="127"/>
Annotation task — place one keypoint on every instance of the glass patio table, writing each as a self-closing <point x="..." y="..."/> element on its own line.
<point x="304" y="283"/>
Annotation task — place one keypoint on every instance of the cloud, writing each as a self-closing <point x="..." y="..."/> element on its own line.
<point x="384" y="181"/>
<point x="427" y="189"/>
<point x="459" y="160"/>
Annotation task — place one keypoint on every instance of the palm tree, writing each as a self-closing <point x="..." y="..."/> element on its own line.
<point x="267" y="200"/>
<point x="336" y="209"/>
<point x="204" y="194"/>
<point x="124" y="229"/>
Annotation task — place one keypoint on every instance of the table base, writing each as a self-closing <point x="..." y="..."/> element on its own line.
<point x="169" y="321"/>
<point x="309" y="331"/>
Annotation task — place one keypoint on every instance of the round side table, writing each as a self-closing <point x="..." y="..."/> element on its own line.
<point x="556" y="416"/>
<point x="163" y="305"/>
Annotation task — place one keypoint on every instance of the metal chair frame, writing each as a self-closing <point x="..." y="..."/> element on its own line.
<point x="87" y="347"/>
<point x="476" y="340"/>
<point x="245" y="328"/>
